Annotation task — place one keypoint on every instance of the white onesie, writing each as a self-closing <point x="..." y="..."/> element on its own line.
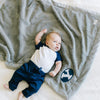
<point x="44" y="57"/>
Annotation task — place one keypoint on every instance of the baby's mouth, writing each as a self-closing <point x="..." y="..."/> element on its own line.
<point x="57" y="48"/>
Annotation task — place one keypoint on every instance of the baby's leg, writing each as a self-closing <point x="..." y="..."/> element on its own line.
<point x="14" y="81"/>
<point x="20" y="96"/>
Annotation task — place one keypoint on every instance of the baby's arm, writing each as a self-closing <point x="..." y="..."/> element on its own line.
<point x="39" y="36"/>
<point x="57" y="69"/>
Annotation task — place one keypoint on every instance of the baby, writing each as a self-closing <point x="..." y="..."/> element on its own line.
<point x="41" y="62"/>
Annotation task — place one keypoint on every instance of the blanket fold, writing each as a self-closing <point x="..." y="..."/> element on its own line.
<point x="21" y="20"/>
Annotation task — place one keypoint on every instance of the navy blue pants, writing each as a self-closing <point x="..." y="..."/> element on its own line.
<point x="33" y="75"/>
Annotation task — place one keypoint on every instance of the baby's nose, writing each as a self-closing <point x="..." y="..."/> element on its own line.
<point x="57" y="44"/>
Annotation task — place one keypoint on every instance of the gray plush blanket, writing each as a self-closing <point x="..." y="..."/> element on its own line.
<point x="21" y="20"/>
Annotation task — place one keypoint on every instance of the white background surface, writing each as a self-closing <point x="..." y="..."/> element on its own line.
<point x="89" y="90"/>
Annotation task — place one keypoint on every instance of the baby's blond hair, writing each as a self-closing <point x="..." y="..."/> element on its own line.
<point x="49" y="34"/>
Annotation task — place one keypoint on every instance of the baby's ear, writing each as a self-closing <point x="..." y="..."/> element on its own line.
<point x="46" y="42"/>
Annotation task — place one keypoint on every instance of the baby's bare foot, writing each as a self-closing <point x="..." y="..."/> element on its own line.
<point x="20" y="96"/>
<point x="6" y="86"/>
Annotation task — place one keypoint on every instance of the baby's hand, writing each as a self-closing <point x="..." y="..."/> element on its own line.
<point x="52" y="73"/>
<point x="44" y="30"/>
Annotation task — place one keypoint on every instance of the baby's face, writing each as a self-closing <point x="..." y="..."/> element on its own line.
<point x="54" y="42"/>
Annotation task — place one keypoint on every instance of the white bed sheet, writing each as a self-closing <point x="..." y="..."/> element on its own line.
<point x="89" y="90"/>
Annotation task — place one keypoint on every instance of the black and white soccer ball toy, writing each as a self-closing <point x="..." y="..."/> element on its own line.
<point x="67" y="75"/>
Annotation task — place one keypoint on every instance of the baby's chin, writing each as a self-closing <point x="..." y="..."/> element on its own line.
<point x="56" y="50"/>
